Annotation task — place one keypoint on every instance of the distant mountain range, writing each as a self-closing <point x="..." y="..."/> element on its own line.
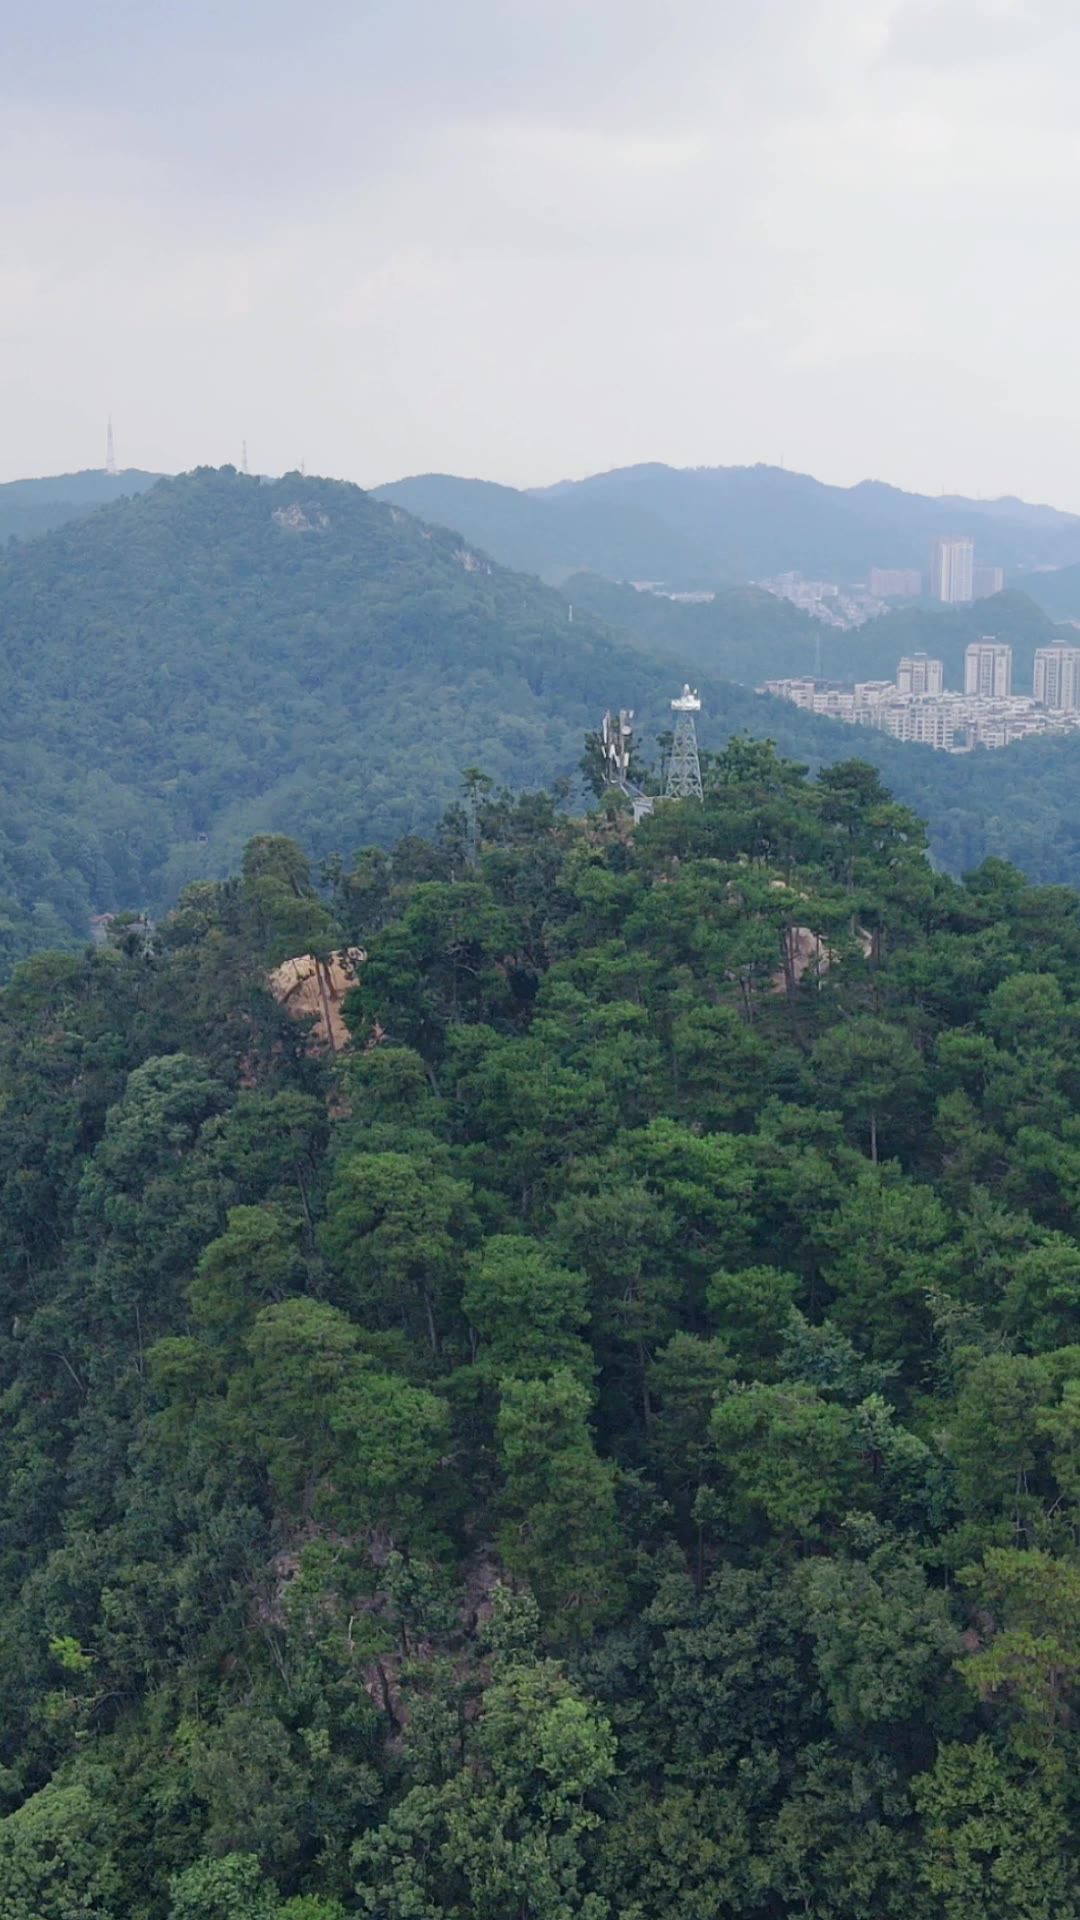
<point x="28" y="507"/>
<point x="689" y="527"/>
<point x="713" y="525"/>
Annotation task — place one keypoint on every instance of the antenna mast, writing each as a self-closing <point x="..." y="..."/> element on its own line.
<point x="244" y="468"/>
<point x="616" y="746"/>
<point x="110" y="451"/>
<point x="684" y="766"/>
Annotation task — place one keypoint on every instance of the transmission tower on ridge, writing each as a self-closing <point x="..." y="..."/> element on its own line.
<point x="684" y="767"/>
<point x="110" y="450"/>
<point x="244" y="468"/>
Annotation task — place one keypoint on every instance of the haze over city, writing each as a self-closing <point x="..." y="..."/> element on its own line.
<point x="531" y="239"/>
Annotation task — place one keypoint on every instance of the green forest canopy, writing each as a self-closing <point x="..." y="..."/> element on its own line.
<point x="607" y="1445"/>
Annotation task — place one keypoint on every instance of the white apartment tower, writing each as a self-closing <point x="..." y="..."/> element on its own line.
<point x="988" y="669"/>
<point x="918" y="673"/>
<point x="952" y="571"/>
<point x="1057" y="678"/>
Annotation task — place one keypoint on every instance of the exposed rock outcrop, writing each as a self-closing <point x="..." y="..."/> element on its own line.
<point x="314" y="989"/>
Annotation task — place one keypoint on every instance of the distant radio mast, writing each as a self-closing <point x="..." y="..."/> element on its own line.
<point x="684" y="767"/>
<point x="244" y="468"/>
<point x="110" y="450"/>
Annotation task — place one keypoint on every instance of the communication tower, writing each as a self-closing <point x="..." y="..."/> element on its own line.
<point x="110" y="451"/>
<point x="616" y="746"/>
<point x="244" y="468"/>
<point x="684" y="767"/>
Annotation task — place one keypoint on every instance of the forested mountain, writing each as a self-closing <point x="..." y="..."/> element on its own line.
<point x="221" y="657"/>
<point x="36" y="506"/>
<point x="605" y="1446"/>
<point x="708" y="525"/>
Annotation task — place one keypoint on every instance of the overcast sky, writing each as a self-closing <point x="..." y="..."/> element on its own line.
<point x="534" y="238"/>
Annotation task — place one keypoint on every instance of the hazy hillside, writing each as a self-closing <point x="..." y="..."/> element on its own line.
<point x="36" y="506"/>
<point x="744" y="634"/>
<point x="719" y="524"/>
<point x="1058" y="592"/>
<point x="550" y="535"/>
<point x="749" y="636"/>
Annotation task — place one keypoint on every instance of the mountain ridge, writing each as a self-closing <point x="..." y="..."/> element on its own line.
<point x="40" y="505"/>
<point x="724" y="525"/>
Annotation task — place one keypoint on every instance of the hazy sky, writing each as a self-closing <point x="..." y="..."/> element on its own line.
<point x="534" y="238"/>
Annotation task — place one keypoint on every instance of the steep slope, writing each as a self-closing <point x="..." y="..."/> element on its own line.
<point x="716" y="524"/>
<point x="37" y="506"/>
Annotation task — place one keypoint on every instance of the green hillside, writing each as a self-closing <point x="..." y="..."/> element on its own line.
<point x="28" y="507"/>
<point x="750" y="636"/>
<point x="221" y="657"/>
<point x="549" y="536"/>
<point x="604" y="1447"/>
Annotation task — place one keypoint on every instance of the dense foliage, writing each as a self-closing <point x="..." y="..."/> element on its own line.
<point x="606" y="1445"/>
<point x="711" y="524"/>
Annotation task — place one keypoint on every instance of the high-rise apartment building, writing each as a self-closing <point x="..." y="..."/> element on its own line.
<point x="1057" y="678"/>
<point x="988" y="668"/>
<point x="918" y="673"/>
<point x="952" y="571"/>
<point x="986" y="581"/>
<point x="895" y="583"/>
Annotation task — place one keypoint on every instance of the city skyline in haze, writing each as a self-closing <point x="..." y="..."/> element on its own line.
<point x="529" y="241"/>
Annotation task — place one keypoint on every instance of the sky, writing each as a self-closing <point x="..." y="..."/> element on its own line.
<point x="533" y="239"/>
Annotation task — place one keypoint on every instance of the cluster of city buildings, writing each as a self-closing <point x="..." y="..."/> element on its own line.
<point x="843" y="607"/>
<point x="918" y="706"/>
<point x="954" y="578"/>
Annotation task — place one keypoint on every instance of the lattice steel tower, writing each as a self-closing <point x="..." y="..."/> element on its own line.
<point x="684" y="767"/>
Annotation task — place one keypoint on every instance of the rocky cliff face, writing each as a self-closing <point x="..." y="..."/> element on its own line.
<point x="313" y="989"/>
